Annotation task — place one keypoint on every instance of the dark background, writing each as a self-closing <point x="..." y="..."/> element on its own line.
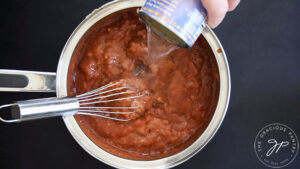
<point x="262" y="42"/>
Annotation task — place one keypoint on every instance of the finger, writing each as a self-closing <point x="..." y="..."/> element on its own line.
<point x="216" y="10"/>
<point x="232" y="4"/>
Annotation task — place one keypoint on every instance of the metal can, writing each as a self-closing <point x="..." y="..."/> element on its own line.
<point x="178" y="21"/>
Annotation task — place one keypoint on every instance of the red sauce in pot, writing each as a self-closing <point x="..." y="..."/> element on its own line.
<point x="182" y="87"/>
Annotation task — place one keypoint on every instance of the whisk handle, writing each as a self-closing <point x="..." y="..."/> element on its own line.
<point x="41" y="108"/>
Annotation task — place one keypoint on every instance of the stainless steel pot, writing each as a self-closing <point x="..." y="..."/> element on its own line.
<point x="12" y="80"/>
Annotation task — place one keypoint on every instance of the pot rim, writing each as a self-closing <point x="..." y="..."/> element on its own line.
<point x="119" y="162"/>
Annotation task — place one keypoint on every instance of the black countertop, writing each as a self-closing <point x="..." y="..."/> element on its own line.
<point x="261" y="39"/>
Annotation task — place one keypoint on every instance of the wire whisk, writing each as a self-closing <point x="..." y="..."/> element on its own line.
<point x="111" y="101"/>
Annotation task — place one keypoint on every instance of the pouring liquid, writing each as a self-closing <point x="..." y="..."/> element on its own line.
<point x="157" y="46"/>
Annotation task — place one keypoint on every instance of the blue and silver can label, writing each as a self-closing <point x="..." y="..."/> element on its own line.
<point x="178" y="21"/>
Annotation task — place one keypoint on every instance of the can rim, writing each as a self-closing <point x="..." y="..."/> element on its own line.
<point x="172" y="38"/>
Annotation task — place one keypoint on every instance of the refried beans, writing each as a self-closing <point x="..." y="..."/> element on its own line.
<point x="182" y="88"/>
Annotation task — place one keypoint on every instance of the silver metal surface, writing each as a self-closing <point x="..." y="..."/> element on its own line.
<point x="8" y="120"/>
<point x="41" y="108"/>
<point x="27" y="81"/>
<point x="64" y="106"/>
<point x="119" y="162"/>
<point x="45" y="108"/>
<point x="101" y="95"/>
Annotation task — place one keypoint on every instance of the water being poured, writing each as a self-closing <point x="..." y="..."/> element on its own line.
<point x="157" y="46"/>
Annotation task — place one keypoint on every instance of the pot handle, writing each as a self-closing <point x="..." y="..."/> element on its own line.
<point x="27" y="81"/>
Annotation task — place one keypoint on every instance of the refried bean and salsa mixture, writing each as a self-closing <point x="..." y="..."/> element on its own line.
<point x="182" y="88"/>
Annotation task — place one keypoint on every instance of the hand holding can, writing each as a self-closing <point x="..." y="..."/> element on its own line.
<point x="182" y="21"/>
<point x="217" y="9"/>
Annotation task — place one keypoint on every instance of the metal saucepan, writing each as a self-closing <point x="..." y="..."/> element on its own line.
<point x="29" y="81"/>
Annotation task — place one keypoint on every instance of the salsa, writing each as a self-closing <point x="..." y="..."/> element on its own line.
<point x="182" y="88"/>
